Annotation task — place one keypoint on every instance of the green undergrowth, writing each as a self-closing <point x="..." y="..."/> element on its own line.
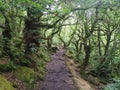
<point x="7" y="67"/>
<point x="44" y="58"/>
<point x="24" y="72"/>
<point x="115" y="85"/>
<point x="44" y="54"/>
<point x="70" y="53"/>
<point x="27" y="75"/>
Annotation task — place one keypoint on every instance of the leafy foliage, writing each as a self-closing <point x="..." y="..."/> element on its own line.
<point x="89" y="32"/>
<point x="113" y="86"/>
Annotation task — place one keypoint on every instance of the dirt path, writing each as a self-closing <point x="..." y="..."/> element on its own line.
<point x="81" y="84"/>
<point x="58" y="76"/>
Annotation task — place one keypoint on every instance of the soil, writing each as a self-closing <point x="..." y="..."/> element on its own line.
<point x="80" y="83"/>
<point x="62" y="74"/>
<point x="58" y="76"/>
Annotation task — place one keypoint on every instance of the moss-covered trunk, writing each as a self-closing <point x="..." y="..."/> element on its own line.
<point x="87" y="57"/>
<point x="7" y="37"/>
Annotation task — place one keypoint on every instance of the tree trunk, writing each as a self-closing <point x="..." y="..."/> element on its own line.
<point x="7" y="37"/>
<point x="30" y="34"/>
<point x="106" y="48"/>
<point x="87" y="56"/>
<point x="99" y="43"/>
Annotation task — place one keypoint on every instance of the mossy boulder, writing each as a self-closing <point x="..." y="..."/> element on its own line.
<point x="4" y="84"/>
<point x="25" y="74"/>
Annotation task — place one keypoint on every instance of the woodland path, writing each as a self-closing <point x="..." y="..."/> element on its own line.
<point x="58" y="76"/>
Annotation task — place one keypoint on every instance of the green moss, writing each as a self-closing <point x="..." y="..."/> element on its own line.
<point x="4" y="84"/>
<point x="25" y="74"/>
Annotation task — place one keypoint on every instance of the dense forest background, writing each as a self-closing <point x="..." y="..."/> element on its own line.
<point x="89" y="30"/>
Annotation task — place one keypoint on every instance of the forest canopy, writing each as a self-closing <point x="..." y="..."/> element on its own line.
<point x="89" y="31"/>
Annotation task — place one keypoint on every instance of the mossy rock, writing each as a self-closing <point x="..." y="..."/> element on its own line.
<point x="4" y="84"/>
<point x="25" y="74"/>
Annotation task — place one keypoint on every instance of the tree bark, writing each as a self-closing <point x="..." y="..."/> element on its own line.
<point x="7" y="37"/>
<point x="87" y="56"/>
